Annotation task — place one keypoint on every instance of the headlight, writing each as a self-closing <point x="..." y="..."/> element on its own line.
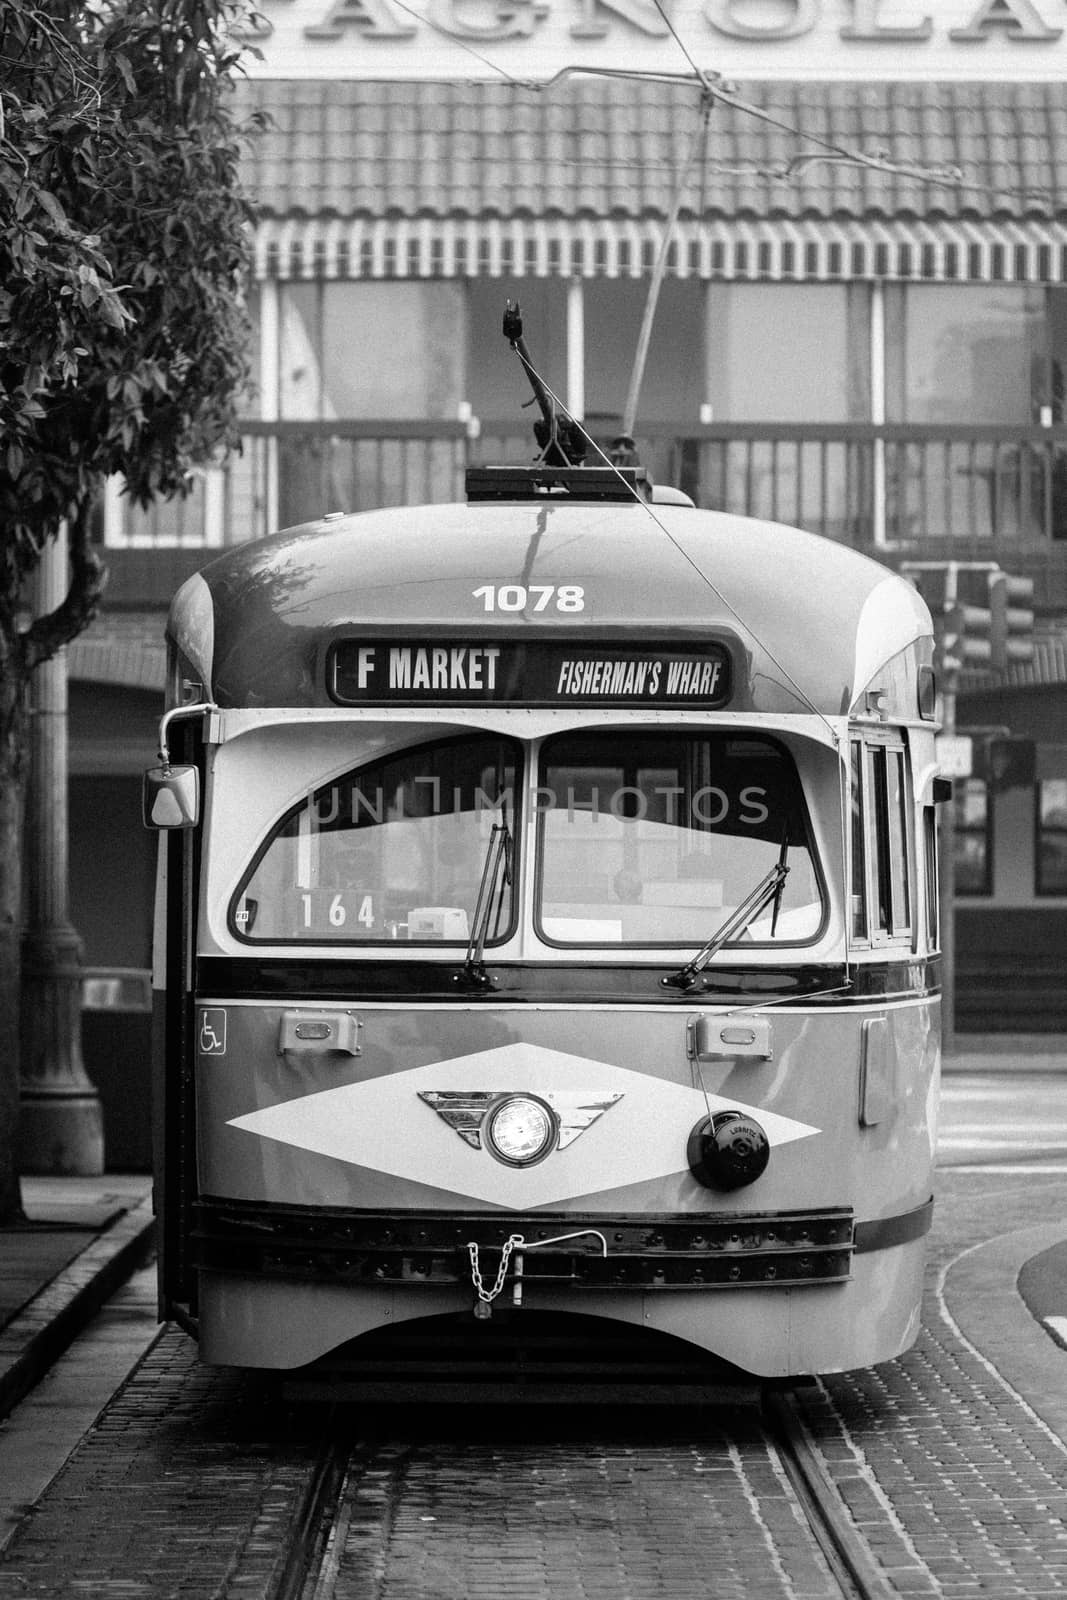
<point x="520" y="1130"/>
<point x="728" y="1150"/>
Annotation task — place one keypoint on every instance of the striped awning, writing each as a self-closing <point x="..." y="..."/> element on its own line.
<point x="820" y="250"/>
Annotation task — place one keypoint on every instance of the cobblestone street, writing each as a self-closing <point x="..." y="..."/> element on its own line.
<point x="950" y="1462"/>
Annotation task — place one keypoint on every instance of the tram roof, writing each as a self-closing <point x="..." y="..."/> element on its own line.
<point x="809" y="622"/>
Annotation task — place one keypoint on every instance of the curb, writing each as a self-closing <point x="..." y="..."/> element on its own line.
<point x="36" y="1338"/>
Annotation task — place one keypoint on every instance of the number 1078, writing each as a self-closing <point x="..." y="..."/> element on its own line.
<point x="531" y="597"/>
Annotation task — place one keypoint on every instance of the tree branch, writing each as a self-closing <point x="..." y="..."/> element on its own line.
<point x="88" y="576"/>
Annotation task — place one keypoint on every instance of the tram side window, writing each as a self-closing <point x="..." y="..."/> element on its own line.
<point x="858" y="844"/>
<point x="933" y="914"/>
<point x="392" y="850"/>
<point x="881" y="796"/>
<point x="899" y="874"/>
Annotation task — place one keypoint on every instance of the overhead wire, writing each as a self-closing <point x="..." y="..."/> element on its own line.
<point x="712" y="88"/>
<point x="746" y="627"/>
<point x="704" y="77"/>
<point x="724" y="600"/>
<point x="709" y="92"/>
<point x="773" y="172"/>
<point x="420" y="16"/>
<point x="721" y="89"/>
<point x="644" y="337"/>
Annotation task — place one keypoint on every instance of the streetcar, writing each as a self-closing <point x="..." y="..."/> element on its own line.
<point x="547" y="933"/>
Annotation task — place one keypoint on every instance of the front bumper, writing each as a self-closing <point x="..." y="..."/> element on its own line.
<point x="757" y="1249"/>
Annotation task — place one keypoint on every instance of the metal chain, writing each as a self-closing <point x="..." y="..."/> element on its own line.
<point x="516" y="1241"/>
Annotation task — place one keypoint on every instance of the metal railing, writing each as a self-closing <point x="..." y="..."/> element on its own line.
<point x="895" y="487"/>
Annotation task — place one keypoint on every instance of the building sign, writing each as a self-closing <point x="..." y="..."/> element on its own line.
<point x="955" y="755"/>
<point x="378" y="672"/>
<point x="531" y="40"/>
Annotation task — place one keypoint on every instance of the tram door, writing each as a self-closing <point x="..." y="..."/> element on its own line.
<point x="174" y="791"/>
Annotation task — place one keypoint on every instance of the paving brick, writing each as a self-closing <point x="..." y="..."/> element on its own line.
<point x="188" y="1483"/>
<point x="972" y="1484"/>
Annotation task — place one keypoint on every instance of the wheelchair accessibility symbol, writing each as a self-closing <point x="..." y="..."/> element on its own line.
<point x="212" y="1033"/>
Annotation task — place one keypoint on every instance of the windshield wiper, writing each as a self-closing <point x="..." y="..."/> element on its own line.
<point x="769" y="888"/>
<point x="499" y="850"/>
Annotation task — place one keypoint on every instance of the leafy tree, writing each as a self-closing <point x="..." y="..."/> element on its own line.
<point x="124" y="241"/>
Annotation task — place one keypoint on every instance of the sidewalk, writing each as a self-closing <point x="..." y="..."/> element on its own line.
<point x="81" y="1239"/>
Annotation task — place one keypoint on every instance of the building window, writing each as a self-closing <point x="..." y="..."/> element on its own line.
<point x="672" y="385"/>
<point x="974" y="846"/>
<point x="371" y="350"/>
<point x="300" y="352"/>
<point x="1051" y="852"/>
<point x="963" y="353"/>
<point x="376" y="352"/>
<point x="781" y="352"/>
<point x="958" y="356"/>
<point x="185" y="522"/>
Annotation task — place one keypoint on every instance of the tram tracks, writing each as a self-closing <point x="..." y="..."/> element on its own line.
<point x="320" y="1527"/>
<point x="846" y="1552"/>
<point x="364" y="1517"/>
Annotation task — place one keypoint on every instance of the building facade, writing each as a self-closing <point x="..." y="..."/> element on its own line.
<point x="856" y="214"/>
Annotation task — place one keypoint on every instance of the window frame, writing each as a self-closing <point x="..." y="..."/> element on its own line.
<point x="664" y="734"/>
<point x="962" y="830"/>
<point x="1040" y="830"/>
<point x="889" y="853"/>
<point x="857" y="773"/>
<point x="931" y="877"/>
<point x="509" y="744"/>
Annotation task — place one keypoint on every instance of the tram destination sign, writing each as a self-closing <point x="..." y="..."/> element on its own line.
<point x="378" y="672"/>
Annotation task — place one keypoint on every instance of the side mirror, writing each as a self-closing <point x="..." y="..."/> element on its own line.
<point x="170" y="797"/>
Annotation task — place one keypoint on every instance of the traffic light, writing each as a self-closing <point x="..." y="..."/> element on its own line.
<point x="931" y="580"/>
<point x="1011" y="633"/>
<point x="964" y="637"/>
<point x="955" y="592"/>
<point x="1008" y="763"/>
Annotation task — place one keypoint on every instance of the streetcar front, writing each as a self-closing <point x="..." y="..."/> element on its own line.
<point x="556" y="934"/>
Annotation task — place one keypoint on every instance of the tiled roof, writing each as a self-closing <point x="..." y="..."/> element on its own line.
<point x="595" y="147"/>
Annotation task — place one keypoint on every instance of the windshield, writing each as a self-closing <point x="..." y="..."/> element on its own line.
<point x="393" y="850"/>
<point x="657" y="838"/>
